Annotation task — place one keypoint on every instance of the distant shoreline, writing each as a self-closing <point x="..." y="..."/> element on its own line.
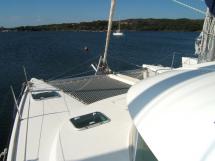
<point x="168" y="25"/>
<point x="125" y="31"/>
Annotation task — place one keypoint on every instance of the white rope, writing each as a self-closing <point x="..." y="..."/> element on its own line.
<point x="3" y="154"/>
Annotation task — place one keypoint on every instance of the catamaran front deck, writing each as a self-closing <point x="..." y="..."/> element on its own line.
<point x="46" y="131"/>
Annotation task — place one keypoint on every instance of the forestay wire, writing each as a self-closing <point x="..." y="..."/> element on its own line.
<point x="190" y="7"/>
<point x="121" y="59"/>
<point x="72" y="69"/>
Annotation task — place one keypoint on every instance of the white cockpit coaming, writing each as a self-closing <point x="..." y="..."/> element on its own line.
<point x="174" y="113"/>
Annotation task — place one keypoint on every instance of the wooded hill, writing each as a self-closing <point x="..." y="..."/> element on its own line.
<point x="129" y="24"/>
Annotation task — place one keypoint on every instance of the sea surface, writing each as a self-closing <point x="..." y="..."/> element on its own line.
<point x="52" y="55"/>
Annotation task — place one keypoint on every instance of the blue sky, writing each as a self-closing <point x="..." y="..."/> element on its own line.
<point x="34" y="12"/>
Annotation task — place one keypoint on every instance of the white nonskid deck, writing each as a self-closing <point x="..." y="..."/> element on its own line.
<point x="46" y="133"/>
<point x="106" y="142"/>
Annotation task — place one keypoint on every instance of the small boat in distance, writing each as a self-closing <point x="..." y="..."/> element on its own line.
<point x="118" y="32"/>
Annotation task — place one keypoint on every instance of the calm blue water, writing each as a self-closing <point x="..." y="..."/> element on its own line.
<point x="48" y="54"/>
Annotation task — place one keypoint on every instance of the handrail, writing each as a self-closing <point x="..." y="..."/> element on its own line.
<point x="21" y="93"/>
<point x="15" y="103"/>
<point x="13" y="121"/>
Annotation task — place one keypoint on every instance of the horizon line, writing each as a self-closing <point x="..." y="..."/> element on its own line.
<point x="89" y="21"/>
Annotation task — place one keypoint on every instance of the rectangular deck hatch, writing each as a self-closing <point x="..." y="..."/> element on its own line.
<point x="45" y="95"/>
<point x="89" y="120"/>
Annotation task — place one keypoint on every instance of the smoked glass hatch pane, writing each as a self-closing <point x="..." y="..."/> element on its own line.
<point x="86" y="121"/>
<point x="143" y="152"/>
<point x="44" y="95"/>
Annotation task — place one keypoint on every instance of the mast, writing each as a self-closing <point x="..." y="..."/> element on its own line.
<point x="113" y="4"/>
<point x="103" y="66"/>
<point x="119" y="26"/>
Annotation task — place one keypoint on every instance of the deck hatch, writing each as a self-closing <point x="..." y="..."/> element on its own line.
<point x="89" y="120"/>
<point x="45" y="95"/>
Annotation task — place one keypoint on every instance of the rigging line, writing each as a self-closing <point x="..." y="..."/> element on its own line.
<point x="190" y="7"/>
<point x="168" y="56"/>
<point x="74" y="75"/>
<point x="21" y="93"/>
<point x="82" y="87"/>
<point x="165" y="58"/>
<point x="28" y="75"/>
<point x="111" y="53"/>
<point x="130" y="58"/>
<point x="69" y="70"/>
<point x="130" y="63"/>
